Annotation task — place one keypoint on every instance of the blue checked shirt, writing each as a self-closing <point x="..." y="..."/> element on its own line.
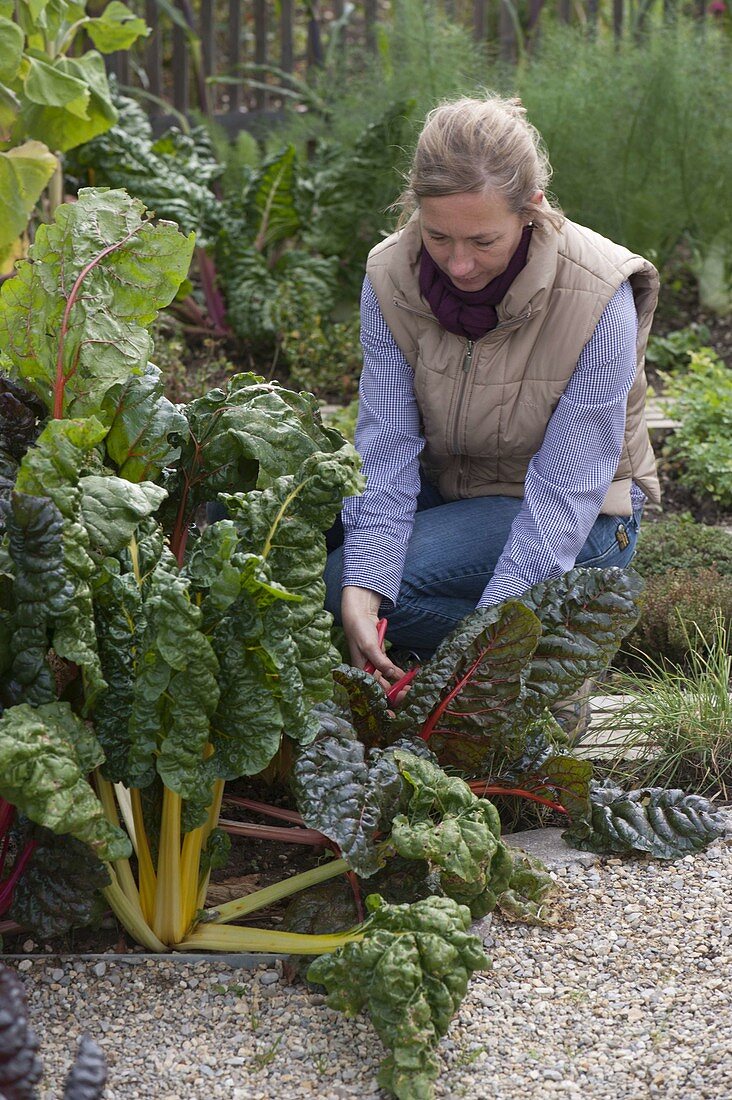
<point x="565" y="484"/>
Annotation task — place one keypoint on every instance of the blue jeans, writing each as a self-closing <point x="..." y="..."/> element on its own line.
<point x="451" y="557"/>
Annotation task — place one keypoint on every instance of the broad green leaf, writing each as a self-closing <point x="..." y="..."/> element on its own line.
<point x="367" y="703"/>
<point x="584" y="616"/>
<point x="111" y="509"/>
<point x="24" y="172"/>
<point x="104" y="237"/>
<point x="285" y="524"/>
<point x="466" y="697"/>
<point x="60" y="888"/>
<point x="410" y="971"/>
<point x="117" y="28"/>
<point x="274" y="200"/>
<point x="175" y="691"/>
<point x="46" y="753"/>
<point x="668" y="824"/>
<point x="51" y="469"/>
<point x="9" y="110"/>
<point x="454" y="832"/>
<point x="348" y="797"/>
<point x="63" y="127"/>
<point x="527" y="895"/>
<point x="143" y="427"/>
<point x="52" y="86"/>
<point x="12" y="41"/>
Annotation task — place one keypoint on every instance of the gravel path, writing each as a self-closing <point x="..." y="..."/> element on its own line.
<point x="634" y="1001"/>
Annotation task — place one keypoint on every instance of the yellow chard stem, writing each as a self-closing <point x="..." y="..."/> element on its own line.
<point x="214" y="937"/>
<point x="198" y="883"/>
<point x="168" y="923"/>
<point x="148" y="878"/>
<point x="123" y="875"/>
<point x="130" y="916"/>
<point x="232" y="910"/>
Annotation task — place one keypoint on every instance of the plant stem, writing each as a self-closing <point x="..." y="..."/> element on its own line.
<point x="130" y="916"/>
<point x="240" y="907"/>
<point x="168" y="922"/>
<point x="146" y="871"/>
<point x="211" y="822"/>
<point x="210" y="937"/>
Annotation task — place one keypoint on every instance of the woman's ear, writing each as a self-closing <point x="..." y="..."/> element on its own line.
<point x="537" y="197"/>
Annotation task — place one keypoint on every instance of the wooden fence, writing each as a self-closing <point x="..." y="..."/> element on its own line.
<point x="215" y="56"/>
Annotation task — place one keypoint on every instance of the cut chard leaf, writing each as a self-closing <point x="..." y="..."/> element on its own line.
<point x="668" y="824"/>
<point x="410" y="971"/>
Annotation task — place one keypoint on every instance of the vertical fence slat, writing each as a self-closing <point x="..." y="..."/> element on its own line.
<point x="369" y="16"/>
<point x="287" y="53"/>
<point x="154" y="54"/>
<point x="506" y="31"/>
<point x="233" y="54"/>
<point x="208" y="36"/>
<point x="618" y="19"/>
<point x="181" y="69"/>
<point x="565" y="11"/>
<point x="260" y="48"/>
<point x="480" y="21"/>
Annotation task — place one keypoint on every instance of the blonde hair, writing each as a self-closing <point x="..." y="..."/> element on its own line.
<point x="470" y="145"/>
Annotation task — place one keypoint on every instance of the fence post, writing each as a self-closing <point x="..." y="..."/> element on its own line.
<point x="369" y="12"/>
<point x="287" y="55"/>
<point x="208" y="37"/>
<point x="506" y="31"/>
<point x="260" y="48"/>
<point x="234" y="53"/>
<point x="479" y="20"/>
<point x="618" y="19"/>
<point x="181" y="68"/>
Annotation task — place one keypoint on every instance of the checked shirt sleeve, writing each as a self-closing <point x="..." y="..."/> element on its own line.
<point x="378" y="523"/>
<point x="569" y="476"/>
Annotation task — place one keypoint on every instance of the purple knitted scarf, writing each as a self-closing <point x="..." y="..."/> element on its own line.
<point x="469" y="313"/>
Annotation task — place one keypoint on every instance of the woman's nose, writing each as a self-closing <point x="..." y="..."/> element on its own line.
<point x="459" y="264"/>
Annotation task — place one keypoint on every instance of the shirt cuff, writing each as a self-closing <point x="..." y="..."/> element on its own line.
<point x="374" y="561"/>
<point x="503" y="586"/>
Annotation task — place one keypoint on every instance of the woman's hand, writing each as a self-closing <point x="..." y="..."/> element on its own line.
<point x="360" y="615"/>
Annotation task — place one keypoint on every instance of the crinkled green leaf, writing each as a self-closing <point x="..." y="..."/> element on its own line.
<point x="274" y="200"/>
<point x="146" y="429"/>
<point x="175" y="691"/>
<point x="411" y="973"/>
<point x="465" y="697"/>
<point x="526" y="897"/>
<point x="62" y="124"/>
<point x="103" y="234"/>
<point x="348" y="796"/>
<point x="456" y="833"/>
<point x="60" y="887"/>
<point x="367" y="704"/>
<point x="668" y="824"/>
<point x="584" y="616"/>
<point x="51" y="468"/>
<point x="46" y="753"/>
<point x="117" y="28"/>
<point x="285" y="524"/>
<point x="111" y="509"/>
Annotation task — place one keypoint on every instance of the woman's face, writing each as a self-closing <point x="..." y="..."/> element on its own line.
<point x="471" y="236"/>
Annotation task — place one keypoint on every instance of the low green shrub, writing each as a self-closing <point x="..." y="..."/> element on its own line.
<point x="701" y="447"/>
<point x="672" y="351"/>
<point x="679" y="542"/>
<point x="324" y="357"/>
<point x="672" y="600"/>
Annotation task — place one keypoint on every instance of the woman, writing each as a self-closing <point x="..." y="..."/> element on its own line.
<point x="501" y="421"/>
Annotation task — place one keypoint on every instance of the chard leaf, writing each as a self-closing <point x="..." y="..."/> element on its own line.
<point x="465" y="698"/>
<point x="247" y="435"/>
<point x="367" y="704"/>
<point x="63" y="126"/>
<point x="411" y="972"/>
<point x="546" y="769"/>
<point x="526" y="897"/>
<point x="668" y="824"/>
<point x="24" y="172"/>
<point x="111" y="509"/>
<point x="60" y="887"/>
<point x="117" y="28"/>
<point x="347" y="796"/>
<point x="51" y="469"/>
<point x="46" y="752"/>
<point x="100" y="337"/>
<point x="454" y="832"/>
<point x="584" y="616"/>
<point x="285" y="525"/>
<point x="145" y="429"/>
<point x="175" y="692"/>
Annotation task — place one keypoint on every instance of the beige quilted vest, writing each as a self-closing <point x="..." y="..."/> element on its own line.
<point x="485" y="404"/>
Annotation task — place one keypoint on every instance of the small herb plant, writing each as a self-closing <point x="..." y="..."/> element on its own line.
<point x="672" y="351"/>
<point x="701" y="448"/>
